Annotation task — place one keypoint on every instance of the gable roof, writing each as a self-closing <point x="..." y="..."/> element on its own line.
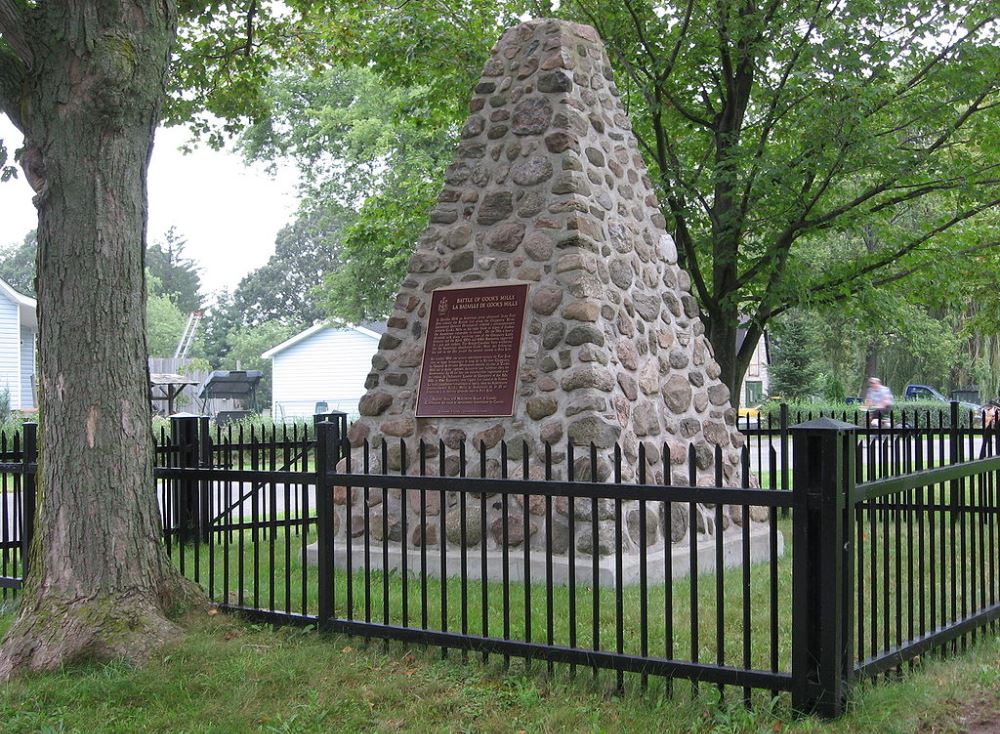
<point x="25" y="304"/>
<point x="315" y="328"/>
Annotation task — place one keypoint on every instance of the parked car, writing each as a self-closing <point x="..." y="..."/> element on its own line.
<point x="926" y="392"/>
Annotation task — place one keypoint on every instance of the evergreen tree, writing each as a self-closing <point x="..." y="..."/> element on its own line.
<point x="176" y="275"/>
<point x="795" y="360"/>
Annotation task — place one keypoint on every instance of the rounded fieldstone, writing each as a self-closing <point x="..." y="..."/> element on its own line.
<point x="628" y="385"/>
<point x="553" y="334"/>
<point x="582" y="311"/>
<point x="546" y="299"/>
<point x="515" y="530"/>
<point x="505" y="237"/>
<point x="627" y="354"/>
<point x="405" y="425"/>
<point x="605" y="542"/>
<point x="585" y="334"/>
<point x="718" y="394"/>
<point x="532" y="116"/>
<point x="551" y="432"/>
<point x="620" y="272"/>
<point x="540" y="407"/>
<point x="374" y="403"/>
<point x="461" y="262"/>
<point x="588" y="376"/>
<point x="453" y="526"/>
<point x="454" y="438"/>
<point x="554" y="82"/>
<point x="530" y="203"/>
<point x="645" y="421"/>
<point x="632" y="522"/>
<point x="495" y="207"/>
<point x="423" y="535"/>
<point x="647" y="304"/>
<point x="677" y="394"/>
<point x="716" y="433"/>
<point x="531" y="171"/>
<point x="488" y="437"/>
<point x="473" y="126"/>
<point x="538" y="246"/>
<point x="592" y="429"/>
<point x="458" y="236"/>
<point x="432" y="501"/>
<point x="392" y="524"/>
<point x="704" y="456"/>
<point x="587" y="403"/>
<point x="560" y="142"/>
<point x="678" y="359"/>
<point x="678" y="522"/>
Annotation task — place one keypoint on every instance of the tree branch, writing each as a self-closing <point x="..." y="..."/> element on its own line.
<point x="12" y="73"/>
<point x="12" y="31"/>
<point x="829" y="292"/>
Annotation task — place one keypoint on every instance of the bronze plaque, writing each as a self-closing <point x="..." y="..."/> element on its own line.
<point x="472" y="351"/>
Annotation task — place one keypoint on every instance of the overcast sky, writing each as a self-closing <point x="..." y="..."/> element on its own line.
<point x="229" y="212"/>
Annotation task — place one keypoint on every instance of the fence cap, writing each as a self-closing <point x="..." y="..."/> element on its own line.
<point x="824" y="424"/>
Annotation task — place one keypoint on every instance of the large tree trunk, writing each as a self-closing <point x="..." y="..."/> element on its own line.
<point x="100" y="584"/>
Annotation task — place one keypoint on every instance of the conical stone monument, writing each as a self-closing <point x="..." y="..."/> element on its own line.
<point x="548" y="235"/>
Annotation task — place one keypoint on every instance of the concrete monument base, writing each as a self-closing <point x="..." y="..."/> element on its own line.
<point x="680" y="560"/>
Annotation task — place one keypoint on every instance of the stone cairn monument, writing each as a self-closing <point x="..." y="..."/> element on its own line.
<point x="548" y="226"/>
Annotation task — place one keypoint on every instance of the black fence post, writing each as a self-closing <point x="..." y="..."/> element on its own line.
<point x="954" y="437"/>
<point x="205" y="487"/>
<point x="29" y="468"/>
<point x="184" y="439"/>
<point x="327" y="455"/>
<point x="822" y="566"/>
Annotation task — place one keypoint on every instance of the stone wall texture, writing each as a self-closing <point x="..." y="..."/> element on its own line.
<point x="548" y="187"/>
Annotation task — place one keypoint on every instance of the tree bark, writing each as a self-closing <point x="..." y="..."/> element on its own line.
<point x="100" y="585"/>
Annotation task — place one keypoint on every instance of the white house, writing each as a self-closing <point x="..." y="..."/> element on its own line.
<point x="756" y="383"/>
<point x="18" y="329"/>
<point x="326" y="363"/>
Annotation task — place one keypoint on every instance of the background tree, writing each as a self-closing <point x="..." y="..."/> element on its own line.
<point x="769" y="125"/>
<point x="176" y="276"/>
<point x="17" y="264"/>
<point x="283" y="289"/>
<point x="164" y="322"/>
<point x="359" y="143"/>
<point x="221" y="320"/>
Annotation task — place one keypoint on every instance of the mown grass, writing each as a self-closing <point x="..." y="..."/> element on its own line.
<point x="889" y="577"/>
<point x="227" y="676"/>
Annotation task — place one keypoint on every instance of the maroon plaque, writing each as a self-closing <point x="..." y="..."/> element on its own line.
<point x="472" y="351"/>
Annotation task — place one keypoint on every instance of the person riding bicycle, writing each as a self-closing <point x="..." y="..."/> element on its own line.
<point x="878" y="400"/>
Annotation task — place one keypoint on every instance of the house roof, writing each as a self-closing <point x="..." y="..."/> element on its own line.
<point x="371" y="333"/>
<point x="25" y="304"/>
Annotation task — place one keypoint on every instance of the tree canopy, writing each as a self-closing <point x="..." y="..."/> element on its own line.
<point x="769" y="128"/>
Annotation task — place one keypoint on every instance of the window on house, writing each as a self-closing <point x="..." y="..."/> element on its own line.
<point x="755" y="392"/>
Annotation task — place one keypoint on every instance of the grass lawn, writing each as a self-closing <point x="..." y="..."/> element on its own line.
<point x="227" y="676"/>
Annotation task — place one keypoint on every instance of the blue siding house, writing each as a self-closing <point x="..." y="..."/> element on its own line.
<point x="326" y="363"/>
<point x="18" y="332"/>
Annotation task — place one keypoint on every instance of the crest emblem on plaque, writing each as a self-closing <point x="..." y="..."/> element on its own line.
<point x="443" y="306"/>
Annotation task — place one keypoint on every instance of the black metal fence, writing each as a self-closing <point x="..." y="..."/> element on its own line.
<point x="884" y="547"/>
<point x="18" y="454"/>
<point x="862" y="548"/>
